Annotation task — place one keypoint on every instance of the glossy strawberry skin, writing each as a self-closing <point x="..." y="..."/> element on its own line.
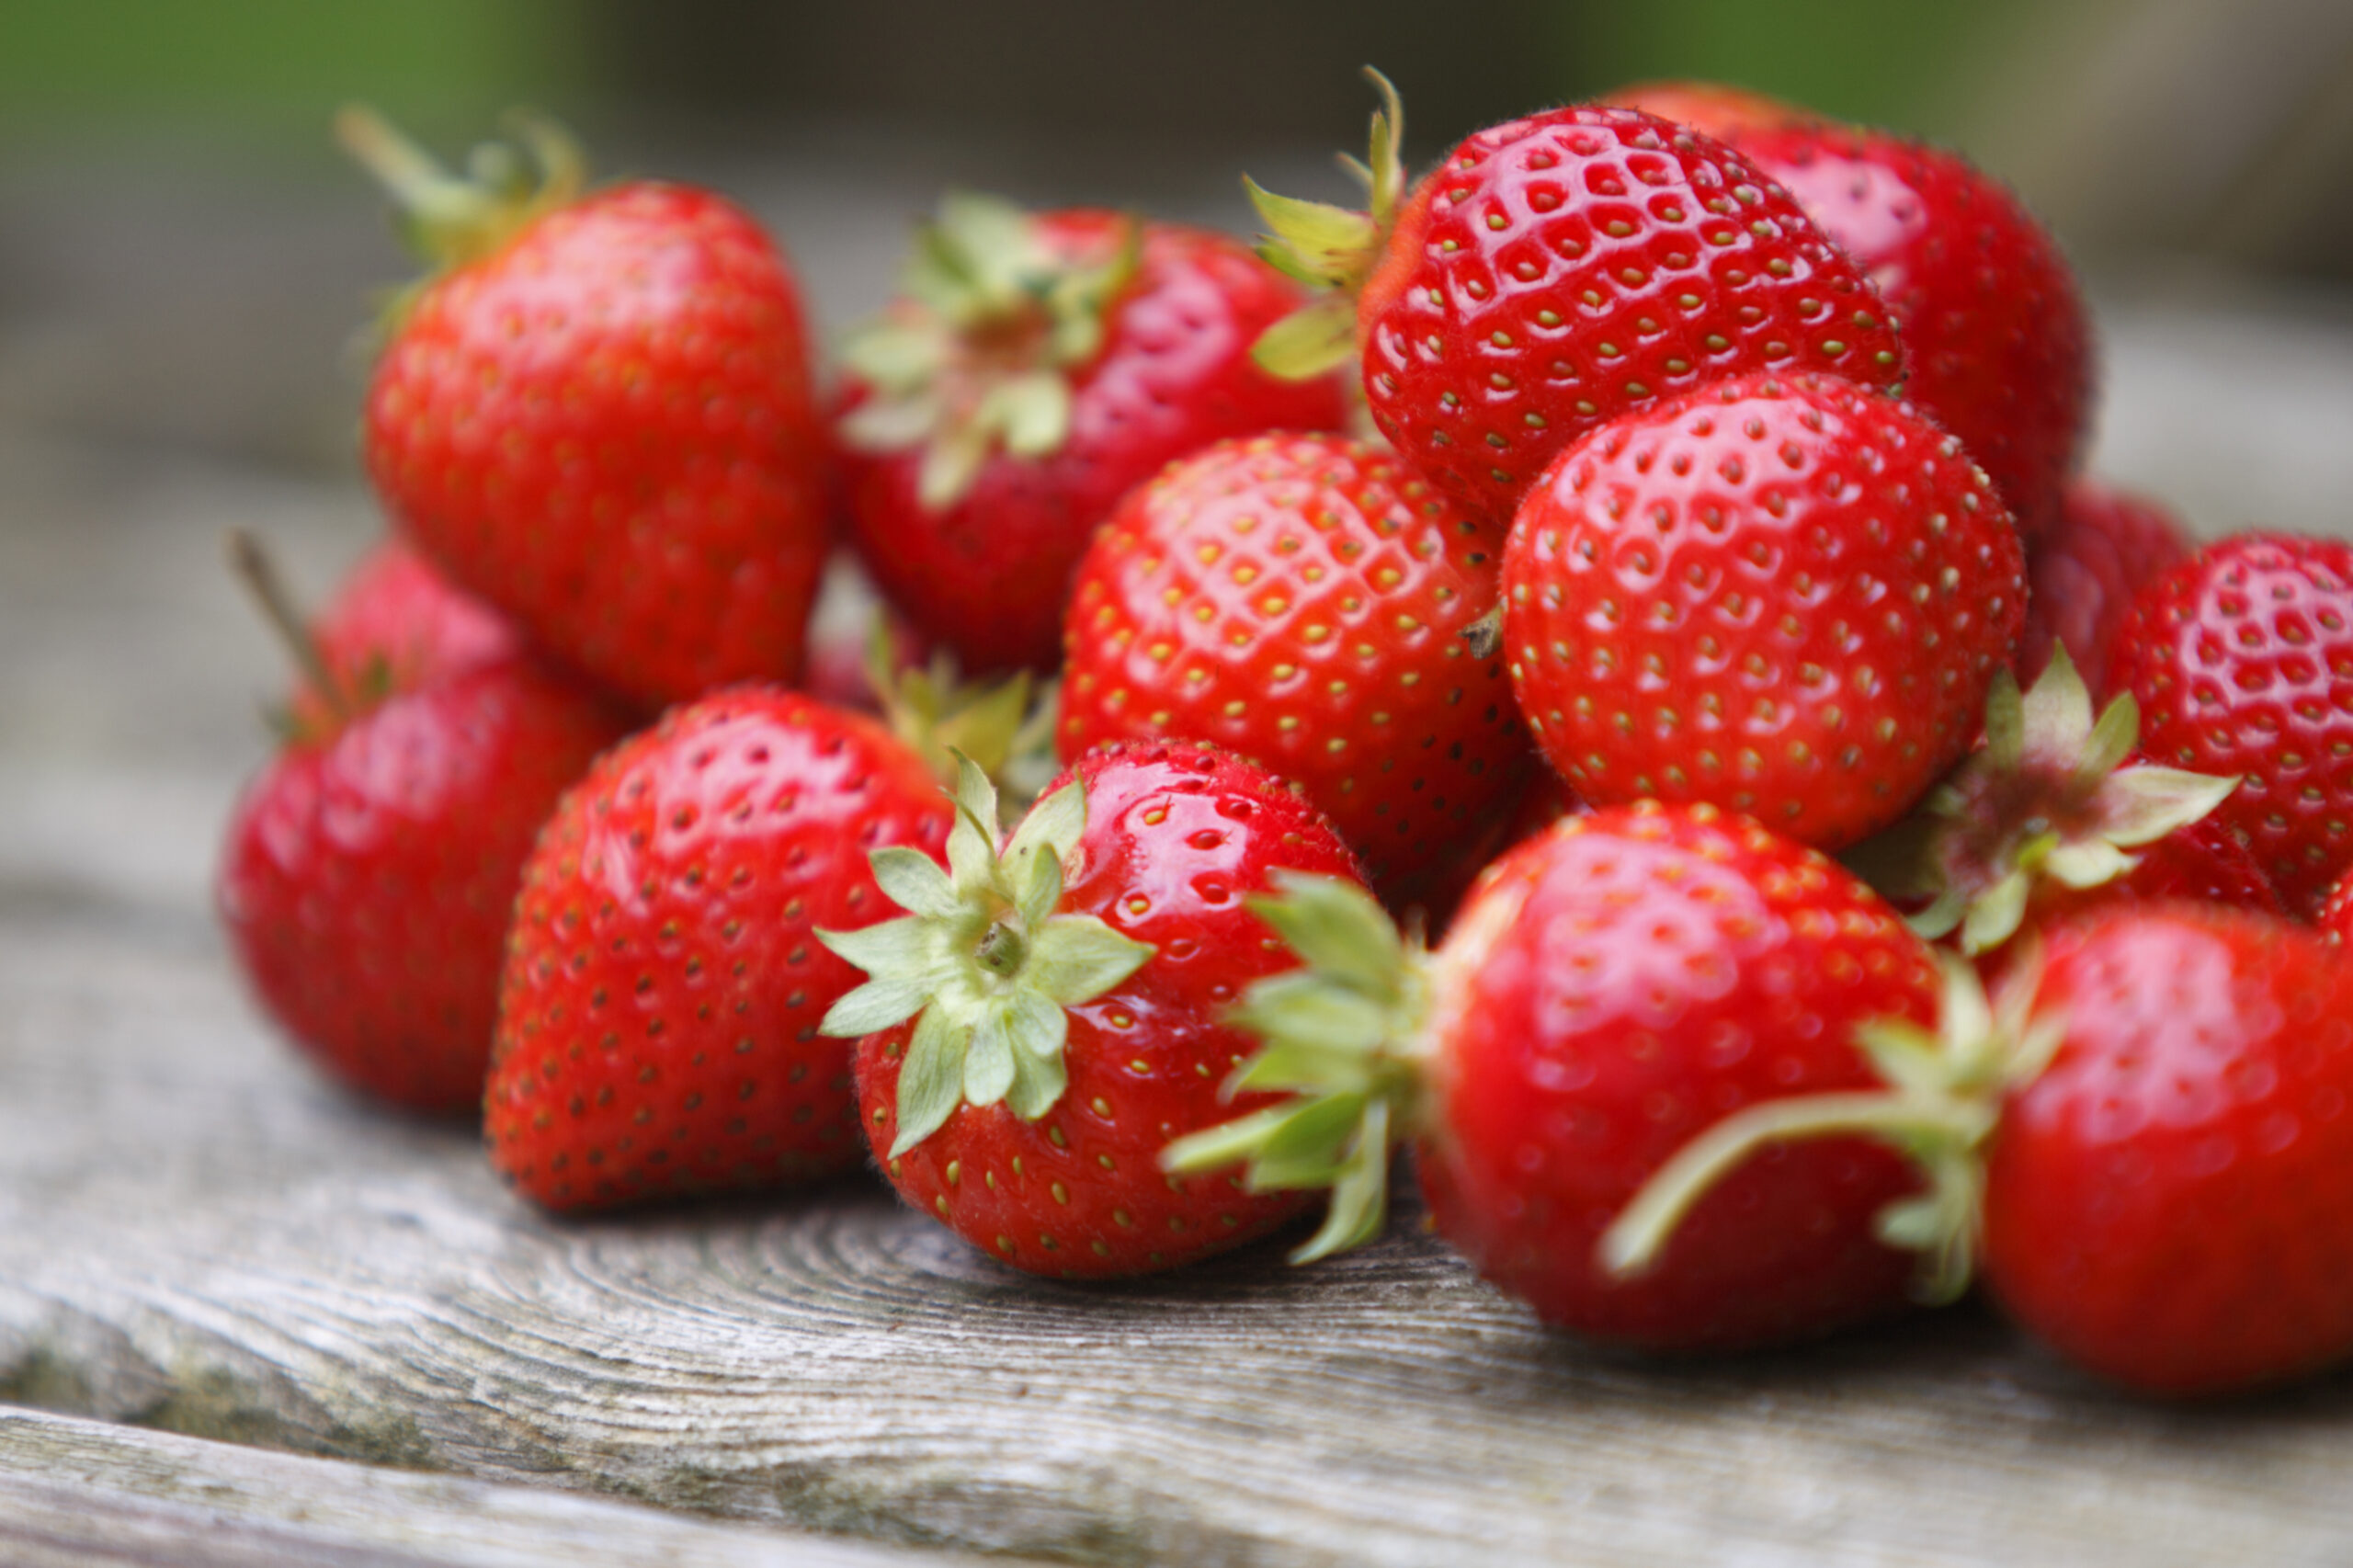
<point x="1612" y="989"/>
<point x="658" y="1011"/>
<point x="1301" y="600"/>
<point x="605" y="428"/>
<point x="370" y="869"/>
<point x="1177" y="837"/>
<point x="397" y="623"/>
<point x="2170" y="1203"/>
<point x="2242" y="661"/>
<point x="989" y="575"/>
<point x="2085" y="571"/>
<point x="1557" y="271"/>
<point x="1996" y="338"/>
<point x="1787" y="598"/>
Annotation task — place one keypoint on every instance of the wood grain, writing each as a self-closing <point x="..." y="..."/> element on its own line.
<point x="79" y="1492"/>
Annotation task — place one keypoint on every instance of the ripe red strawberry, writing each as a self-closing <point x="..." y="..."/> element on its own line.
<point x="2170" y="1202"/>
<point x="1033" y="370"/>
<point x="1611" y="989"/>
<point x="396" y="624"/>
<point x="371" y="865"/>
<point x="2085" y="571"/>
<point x="1996" y="334"/>
<point x="657" y="1030"/>
<point x="1048" y="1017"/>
<point x="599" y="419"/>
<point x="1788" y="597"/>
<point x="2242" y="660"/>
<point x="1555" y="272"/>
<point x="1303" y="601"/>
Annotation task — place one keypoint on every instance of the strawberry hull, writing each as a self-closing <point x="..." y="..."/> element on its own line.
<point x="988" y="572"/>
<point x="1177" y="840"/>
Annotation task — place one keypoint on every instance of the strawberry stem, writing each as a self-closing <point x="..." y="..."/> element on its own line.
<point x="450" y="218"/>
<point x="1634" y="1240"/>
<point x="251" y="566"/>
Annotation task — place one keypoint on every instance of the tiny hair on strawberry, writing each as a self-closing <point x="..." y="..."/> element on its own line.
<point x="1610" y="990"/>
<point x="1032" y="368"/>
<point x="597" y="411"/>
<point x="1554" y="272"/>
<point x="1051" y="1010"/>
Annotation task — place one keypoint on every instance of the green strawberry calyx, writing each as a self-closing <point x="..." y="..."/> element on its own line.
<point x="1006" y="726"/>
<point x="1331" y="249"/>
<point x="448" y="218"/>
<point x="1942" y="1100"/>
<point x="976" y="354"/>
<point x="984" y="961"/>
<point x="1344" y="1037"/>
<point x="2048" y="800"/>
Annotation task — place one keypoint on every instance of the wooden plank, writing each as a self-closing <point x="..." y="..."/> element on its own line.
<point x="78" y="1493"/>
<point x="196" y="1236"/>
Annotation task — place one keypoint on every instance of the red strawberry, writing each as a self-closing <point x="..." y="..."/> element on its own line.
<point x="2085" y="571"/>
<point x="1996" y="334"/>
<point x="2242" y="660"/>
<point x="1555" y="272"/>
<point x="658" y="1014"/>
<point x="1034" y="368"/>
<point x="2335" y="917"/>
<point x="1054" y="1013"/>
<point x="370" y="867"/>
<point x="1304" y="600"/>
<point x="2170" y="1202"/>
<point x="599" y="419"/>
<point x="1789" y="597"/>
<point x="1611" y="988"/>
<point x="396" y="624"/>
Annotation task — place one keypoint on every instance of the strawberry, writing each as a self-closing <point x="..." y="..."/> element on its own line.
<point x="1627" y="980"/>
<point x="2170" y="1202"/>
<point x="1303" y="601"/>
<point x="2242" y="661"/>
<point x="2085" y="571"/>
<point x="1994" y="331"/>
<point x="1052" y="1012"/>
<point x="395" y="624"/>
<point x="1033" y="369"/>
<point x="1787" y="596"/>
<point x="598" y="417"/>
<point x="371" y="865"/>
<point x="658" y="1027"/>
<point x="1555" y="272"/>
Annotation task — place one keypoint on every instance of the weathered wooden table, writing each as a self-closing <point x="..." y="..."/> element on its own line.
<point x="245" y="1318"/>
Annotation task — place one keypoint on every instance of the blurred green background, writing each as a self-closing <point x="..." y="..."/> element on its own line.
<point x="2215" y="126"/>
<point x="184" y="256"/>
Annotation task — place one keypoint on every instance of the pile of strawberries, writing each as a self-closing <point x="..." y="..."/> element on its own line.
<point x="1723" y="517"/>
